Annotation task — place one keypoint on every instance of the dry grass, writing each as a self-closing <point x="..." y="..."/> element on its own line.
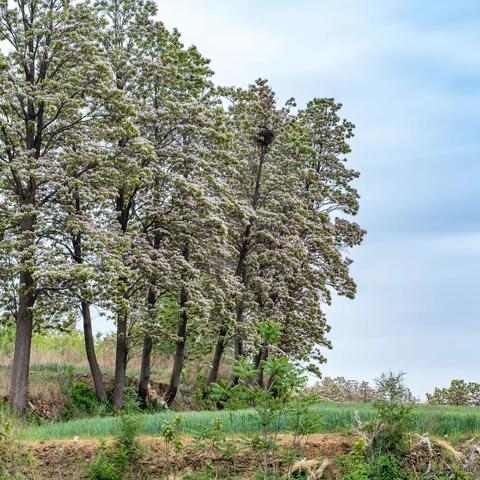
<point x="54" y="357"/>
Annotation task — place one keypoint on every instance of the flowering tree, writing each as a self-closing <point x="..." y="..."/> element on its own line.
<point x="54" y="82"/>
<point x="189" y="214"/>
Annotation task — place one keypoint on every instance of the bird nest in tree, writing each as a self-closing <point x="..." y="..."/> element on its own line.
<point x="265" y="136"/>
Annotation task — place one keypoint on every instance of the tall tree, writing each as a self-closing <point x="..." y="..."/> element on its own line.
<point x="256" y="124"/>
<point x="289" y="246"/>
<point x="53" y="82"/>
<point x="131" y="155"/>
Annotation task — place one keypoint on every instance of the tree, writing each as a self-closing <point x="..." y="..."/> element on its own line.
<point x="182" y="121"/>
<point x="189" y="214"/>
<point x="252" y="120"/>
<point x="458" y="393"/>
<point x="288" y="246"/>
<point x="75" y="235"/>
<point x="53" y="82"/>
<point x="126" y="262"/>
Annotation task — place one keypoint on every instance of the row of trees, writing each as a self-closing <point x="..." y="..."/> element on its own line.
<point x="340" y="389"/>
<point x="458" y="393"/>
<point x="132" y="186"/>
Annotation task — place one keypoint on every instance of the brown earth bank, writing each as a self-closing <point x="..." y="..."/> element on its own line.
<point x="50" y="408"/>
<point x="69" y="459"/>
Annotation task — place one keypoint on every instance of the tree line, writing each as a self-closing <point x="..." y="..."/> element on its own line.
<point x="133" y="186"/>
<point x="340" y="389"/>
<point x="458" y="393"/>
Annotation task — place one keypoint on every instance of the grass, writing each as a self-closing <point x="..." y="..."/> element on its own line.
<point x="456" y="422"/>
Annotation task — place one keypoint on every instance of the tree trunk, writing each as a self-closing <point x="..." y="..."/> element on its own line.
<point x="23" y="341"/>
<point x="180" y="350"/>
<point x="238" y="336"/>
<point x="147" y="341"/>
<point x="97" y="377"/>
<point x="120" y="363"/>
<point x="263" y="355"/>
<point x="145" y="371"/>
<point x="90" y="349"/>
<point x="24" y="320"/>
<point x="241" y="271"/>
<point x="217" y="356"/>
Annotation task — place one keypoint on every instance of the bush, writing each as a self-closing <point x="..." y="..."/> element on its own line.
<point x="104" y="467"/>
<point x="131" y="403"/>
<point x="114" y="463"/>
<point x="386" y="467"/>
<point x="387" y="432"/>
<point x="380" y="455"/>
<point x="14" y="462"/>
<point x="82" y="401"/>
<point x="356" y="466"/>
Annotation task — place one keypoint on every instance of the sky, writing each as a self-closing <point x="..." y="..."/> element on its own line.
<point x="408" y="75"/>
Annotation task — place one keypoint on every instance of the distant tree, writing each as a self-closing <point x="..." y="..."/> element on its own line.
<point x="340" y="389"/>
<point x="474" y="393"/>
<point x="438" y="397"/>
<point x="458" y="393"/>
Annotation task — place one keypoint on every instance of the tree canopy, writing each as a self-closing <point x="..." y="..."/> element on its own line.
<point x="189" y="213"/>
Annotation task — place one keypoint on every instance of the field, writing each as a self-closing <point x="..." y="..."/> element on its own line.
<point x="454" y="422"/>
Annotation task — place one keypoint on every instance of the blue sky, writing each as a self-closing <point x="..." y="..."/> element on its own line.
<point x="408" y="75"/>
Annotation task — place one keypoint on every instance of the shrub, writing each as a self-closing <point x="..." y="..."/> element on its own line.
<point x="172" y="437"/>
<point x="82" y="401"/>
<point x="127" y="438"/>
<point x="386" y="467"/>
<point x="114" y="463"/>
<point x="212" y="444"/>
<point x="131" y="403"/>
<point x="356" y="465"/>
<point x="104" y="467"/>
<point x="271" y="399"/>
<point x="387" y="432"/>
<point x="14" y="462"/>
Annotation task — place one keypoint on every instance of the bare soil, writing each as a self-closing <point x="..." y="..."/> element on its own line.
<point x="69" y="459"/>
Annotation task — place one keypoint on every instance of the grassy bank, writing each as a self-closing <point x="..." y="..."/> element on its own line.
<point x="456" y="422"/>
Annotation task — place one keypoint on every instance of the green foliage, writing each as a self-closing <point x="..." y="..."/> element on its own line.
<point x="386" y="467"/>
<point x="356" y="465"/>
<point x="83" y="402"/>
<point x="104" y="466"/>
<point x="303" y="419"/>
<point x="387" y="433"/>
<point x="7" y="337"/>
<point x="381" y="453"/>
<point x="269" y="398"/>
<point x="171" y="433"/>
<point x="199" y="476"/>
<point x="126" y="439"/>
<point x="131" y="404"/>
<point x="458" y="393"/>
<point x="212" y="444"/>
<point x="114" y="463"/>
<point x="14" y="462"/>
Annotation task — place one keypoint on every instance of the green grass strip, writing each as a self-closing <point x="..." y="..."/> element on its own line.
<point x="331" y="417"/>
